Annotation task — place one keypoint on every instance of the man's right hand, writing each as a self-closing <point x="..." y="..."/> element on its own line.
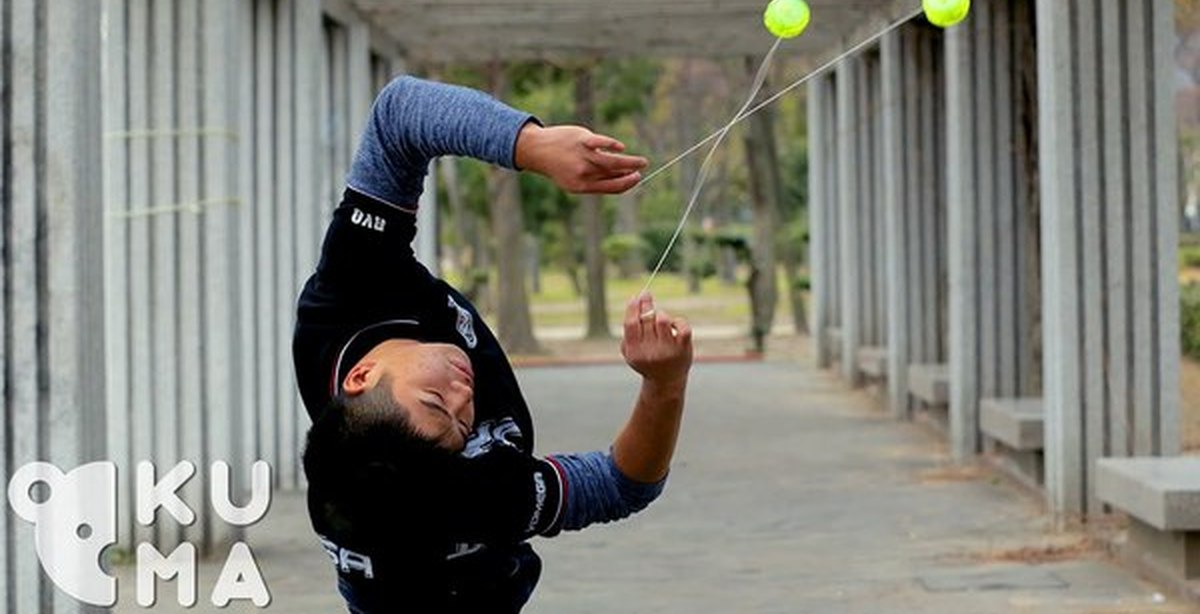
<point x="656" y="345"/>
<point x="577" y="159"/>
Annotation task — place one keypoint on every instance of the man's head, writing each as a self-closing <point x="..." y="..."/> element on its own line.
<point x="430" y="386"/>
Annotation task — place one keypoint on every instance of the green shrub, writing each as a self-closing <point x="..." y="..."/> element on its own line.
<point x="1189" y="315"/>
<point x="656" y="237"/>
<point x="621" y="246"/>
<point x="1189" y="256"/>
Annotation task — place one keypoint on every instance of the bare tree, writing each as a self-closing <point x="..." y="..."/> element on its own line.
<point x="593" y="218"/>
<point x="762" y="161"/>
<point x="508" y="226"/>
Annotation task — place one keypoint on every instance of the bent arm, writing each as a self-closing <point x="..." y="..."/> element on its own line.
<point x="413" y="121"/>
<point x="660" y="349"/>
<point x="599" y="487"/>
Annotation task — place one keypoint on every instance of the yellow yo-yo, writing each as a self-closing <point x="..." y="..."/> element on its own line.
<point x="786" y="18"/>
<point x="945" y="13"/>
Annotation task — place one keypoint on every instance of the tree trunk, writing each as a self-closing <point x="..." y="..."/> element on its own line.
<point x="627" y="224"/>
<point x="570" y="249"/>
<point x="688" y="173"/>
<point x="727" y="258"/>
<point x="515" y="323"/>
<point x="763" y="166"/>
<point x="463" y="254"/>
<point x="534" y="256"/>
<point x="593" y="219"/>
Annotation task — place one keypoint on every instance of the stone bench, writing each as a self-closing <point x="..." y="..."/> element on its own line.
<point x="872" y="361"/>
<point x="1162" y="497"/>
<point x="930" y="383"/>
<point x="1017" y="423"/>
<point x="1013" y="430"/>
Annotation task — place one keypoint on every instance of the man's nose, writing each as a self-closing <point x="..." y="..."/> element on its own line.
<point x="462" y="392"/>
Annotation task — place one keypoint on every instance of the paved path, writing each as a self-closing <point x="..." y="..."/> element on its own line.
<point x="790" y="495"/>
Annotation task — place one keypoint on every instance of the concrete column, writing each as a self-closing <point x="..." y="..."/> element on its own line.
<point x="262" y="271"/>
<point x="116" y="253"/>
<point x="24" y="195"/>
<point x="1109" y="231"/>
<point x="223" y="383"/>
<point x="53" y="322"/>
<point x="832" y="211"/>
<point x="848" y="83"/>
<point x="426" y="241"/>
<point x="284" y="228"/>
<point x="819" y="205"/>
<point x="310" y="202"/>
<point x="190" y="408"/>
<point x="164" y="271"/>
<point x="140" y="303"/>
<point x="963" y="225"/>
<point x="242" y="225"/>
<point x="896" y="171"/>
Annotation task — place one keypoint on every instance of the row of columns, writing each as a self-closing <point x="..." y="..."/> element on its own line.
<point x="168" y="167"/>
<point x="1026" y="196"/>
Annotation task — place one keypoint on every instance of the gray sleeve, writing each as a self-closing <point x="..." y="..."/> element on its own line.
<point x="597" y="491"/>
<point x="414" y="121"/>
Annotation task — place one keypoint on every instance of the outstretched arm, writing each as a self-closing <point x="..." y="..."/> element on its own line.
<point x="577" y="159"/>
<point x="413" y="121"/>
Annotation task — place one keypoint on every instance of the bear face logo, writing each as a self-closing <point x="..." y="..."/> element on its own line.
<point x="75" y="518"/>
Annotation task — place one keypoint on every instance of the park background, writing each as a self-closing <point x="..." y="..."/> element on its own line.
<point x="546" y="310"/>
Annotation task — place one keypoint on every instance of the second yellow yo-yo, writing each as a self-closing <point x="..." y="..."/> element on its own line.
<point x="787" y="18"/>
<point x="946" y="13"/>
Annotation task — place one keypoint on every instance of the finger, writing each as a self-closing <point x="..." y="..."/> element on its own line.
<point x="646" y="316"/>
<point x="662" y="325"/>
<point x="683" y="330"/>
<point x="633" y="324"/>
<point x="617" y="163"/>
<point x="612" y="186"/>
<point x="599" y="141"/>
<point x="645" y="302"/>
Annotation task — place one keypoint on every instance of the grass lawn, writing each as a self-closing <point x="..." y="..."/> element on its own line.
<point x="716" y="304"/>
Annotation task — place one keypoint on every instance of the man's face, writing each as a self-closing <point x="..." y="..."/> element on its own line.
<point x="435" y="383"/>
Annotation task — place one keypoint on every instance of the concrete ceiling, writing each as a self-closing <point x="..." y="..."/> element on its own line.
<point x="480" y="30"/>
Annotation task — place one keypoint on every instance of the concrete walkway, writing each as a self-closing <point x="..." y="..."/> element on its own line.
<point x="789" y="495"/>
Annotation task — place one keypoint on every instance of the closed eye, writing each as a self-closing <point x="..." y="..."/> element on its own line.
<point x="438" y="407"/>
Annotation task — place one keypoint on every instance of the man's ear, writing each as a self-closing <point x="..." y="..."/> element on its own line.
<point x="362" y="377"/>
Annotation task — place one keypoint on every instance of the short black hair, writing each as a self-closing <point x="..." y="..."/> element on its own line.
<point x="363" y="428"/>
<point x="367" y="465"/>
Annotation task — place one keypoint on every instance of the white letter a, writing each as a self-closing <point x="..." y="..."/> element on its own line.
<point x="240" y="579"/>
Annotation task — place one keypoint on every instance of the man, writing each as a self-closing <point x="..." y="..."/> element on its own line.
<point x="423" y="485"/>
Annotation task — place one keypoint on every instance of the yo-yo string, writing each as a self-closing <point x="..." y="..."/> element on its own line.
<point x="759" y="78"/>
<point x="777" y="95"/>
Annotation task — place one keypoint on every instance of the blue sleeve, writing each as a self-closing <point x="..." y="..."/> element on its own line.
<point x="596" y="490"/>
<point x="414" y="121"/>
